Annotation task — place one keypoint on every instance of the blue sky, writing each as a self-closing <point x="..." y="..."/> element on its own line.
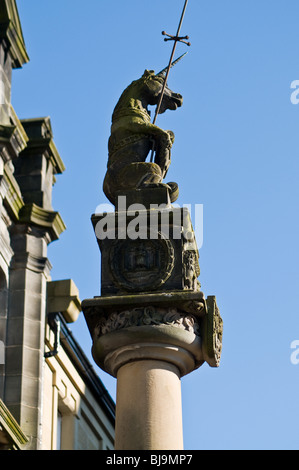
<point x="236" y="152"/>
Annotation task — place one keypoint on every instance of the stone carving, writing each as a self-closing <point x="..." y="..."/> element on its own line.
<point x="217" y="335"/>
<point x="141" y="265"/>
<point x="191" y="270"/>
<point x="212" y="333"/>
<point x="143" y="316"/>
<point x="195" y="307"/>
<point x="133" y="136"/>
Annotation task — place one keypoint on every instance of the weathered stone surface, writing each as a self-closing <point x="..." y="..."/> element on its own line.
<point x="150" y="281"/>
<point x="133" y="136"/>
<point x="63" y="296"/>
<point x="11" y="31"/>
<point x="99" y="308"/>
<point x="145" y="196"/>
<point x="212" y="332"/>
<point x="116" y="321"/>
<point x="149" y="405"/>
<point x="38" y="163"/>
<point x="13" y="54"/>
<point x="153" y="251"/>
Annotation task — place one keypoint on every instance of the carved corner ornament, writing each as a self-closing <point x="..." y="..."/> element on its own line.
<point x="212" y="331"/>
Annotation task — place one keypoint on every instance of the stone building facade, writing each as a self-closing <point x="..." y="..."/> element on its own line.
<point x="50" y="396"/>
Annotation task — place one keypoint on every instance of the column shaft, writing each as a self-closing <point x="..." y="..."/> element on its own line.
<point x="148" y="412"/>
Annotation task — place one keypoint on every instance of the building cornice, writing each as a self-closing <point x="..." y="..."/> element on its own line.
<point x="13" y="200"/>
<point x="51" y="221"/>
<point x="39" y="132"/>
<point x="11" y="32"/>
<point x="13" y="138"/>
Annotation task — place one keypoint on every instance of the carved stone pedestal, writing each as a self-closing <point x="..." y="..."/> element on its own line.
<point x="152" y="324"/>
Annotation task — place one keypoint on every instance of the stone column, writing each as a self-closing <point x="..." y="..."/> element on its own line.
<point x="149" y="411"/>
<point x="149" y="348"/>
<point x="152" y="325"/>
<point x="149" y="361"/>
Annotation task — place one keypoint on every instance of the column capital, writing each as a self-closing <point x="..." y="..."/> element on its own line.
<point x="188" y="326"/>
<point x="144" y="327"/>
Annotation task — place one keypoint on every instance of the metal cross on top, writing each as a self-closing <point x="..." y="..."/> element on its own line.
<point x="177" y="38"/>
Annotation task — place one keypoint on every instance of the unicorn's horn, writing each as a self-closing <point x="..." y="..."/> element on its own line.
<point x="162" y="73"/>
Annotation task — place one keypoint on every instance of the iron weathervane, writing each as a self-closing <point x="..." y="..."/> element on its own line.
<point x="177" y="38"/>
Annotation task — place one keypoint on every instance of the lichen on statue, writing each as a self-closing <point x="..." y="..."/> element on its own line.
<point x="133" y="136"/>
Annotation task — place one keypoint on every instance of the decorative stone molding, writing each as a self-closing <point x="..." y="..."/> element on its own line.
<point x="191" y="270"/>
<point x="11" y="142"/>
<point x="6" y="250"/>
<point x="186" y="302"/>
<point x="144" y="327"/>
<point x="147" y="316"/>
<point x="25" y="260"/>
<point x="178" y="356"/>
<point x="40" y="134"/>
<point x="11" y="194"/>
<point x="212" y="333"/>
<point x="11" y="32"/>
<point x="13" y="138"/>
<point x="159" y="257"/>
<point x="49" y="220"/>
